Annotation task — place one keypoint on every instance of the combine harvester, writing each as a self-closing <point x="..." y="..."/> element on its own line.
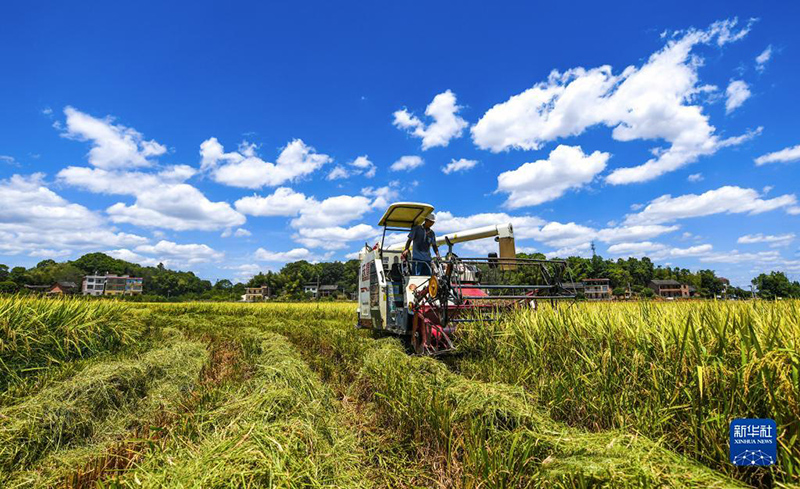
<point x="428" y="309"/>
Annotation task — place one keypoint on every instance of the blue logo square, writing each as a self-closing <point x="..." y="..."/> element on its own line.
<point x="753" y="442"/>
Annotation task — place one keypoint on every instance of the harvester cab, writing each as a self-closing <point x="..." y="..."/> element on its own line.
<point x="427" y="309"/>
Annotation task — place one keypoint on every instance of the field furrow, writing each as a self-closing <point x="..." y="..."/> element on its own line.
<point x="276" y="429"/>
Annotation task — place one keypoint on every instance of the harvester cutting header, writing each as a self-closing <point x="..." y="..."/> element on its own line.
<point x="425" y="299"/>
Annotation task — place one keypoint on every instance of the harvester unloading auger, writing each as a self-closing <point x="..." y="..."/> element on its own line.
<point x="428" y="309"/>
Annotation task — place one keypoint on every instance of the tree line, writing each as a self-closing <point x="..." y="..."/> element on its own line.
<point x="163" y="284"/>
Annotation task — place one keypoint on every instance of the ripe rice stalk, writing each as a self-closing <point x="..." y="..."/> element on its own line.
<point x="677" y="371"/>
<point x="37" y="333"/>
<point x="55" y="429"/>
<point x="504" y="441"/>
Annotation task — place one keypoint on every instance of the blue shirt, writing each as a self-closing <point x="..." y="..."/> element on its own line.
<point x="422" y="239"/>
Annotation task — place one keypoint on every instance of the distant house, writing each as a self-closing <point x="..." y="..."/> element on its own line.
<point x="134" y="285"/>
<point x="311" y="288"/>
<point x="597" y="289"/>
<point x="111" y="285"/>
<point x="93" y="284"/>
<point x="329" y="290"/>
<point x="256" y="294"/>
<point x="41" y="289"/>
<point x="669" y="289"/>
<point x="725" y="284"/>
<point x="115" y="285"/>
<point x="58" y="288"/>
<point x="576" y="288"/>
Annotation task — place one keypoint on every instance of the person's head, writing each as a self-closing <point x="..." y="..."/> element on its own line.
<point x="429" y="220"/>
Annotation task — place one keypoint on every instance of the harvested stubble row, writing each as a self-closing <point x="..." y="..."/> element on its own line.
<point x="44" y="438"/>
<point x="504" y="441"/>
<point x="492" y="433"/>
<point x="279" y="428"/>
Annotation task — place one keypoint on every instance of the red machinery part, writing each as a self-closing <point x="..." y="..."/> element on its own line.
<point x="427" y="334"/>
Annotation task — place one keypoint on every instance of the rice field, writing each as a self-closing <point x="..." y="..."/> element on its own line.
<point x="105" y="394"/>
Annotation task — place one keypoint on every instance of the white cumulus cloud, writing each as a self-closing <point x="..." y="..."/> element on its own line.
<point x="243" y="168"/>
<point x="458" y="165"/>
<point x="635" y="249"/>
<point x="382" y="196"/>
<point x="113" y="145"/>
<point x="649" y="102"/>
<point x="761" y="59"/>
<point x="34" y="219"/>
<point x="724" y="200"/>
<point x="736" y="93"/>
<point x="407" y="163"/>
<point x="332" y="211"/>
<point x="569" y="237"/>
<point x="181" y="253"/>
<point x="360" y="166"/>
<point x="634" y="232"/>
<point x="163" y="199"/>
<point x="695" y="177"/>
<point x="119" y="182"/>
<point x="446" y="123"/>
<point x="133" y="257"/>
<point x="283" y="202"/>
<point x="567" y="167"/>
<point x="774" y="240"/>
<point x="179" y="207"/>
<point x="786" y="155"/>
<point x="295" y="254"/>
<point x="333" y="237"/>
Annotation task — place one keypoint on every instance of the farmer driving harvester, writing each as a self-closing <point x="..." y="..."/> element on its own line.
<point x="423" y="237"/>
<point x="426" y="300"/>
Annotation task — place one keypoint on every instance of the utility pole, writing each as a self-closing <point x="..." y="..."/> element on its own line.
<point x="594" y="253"/>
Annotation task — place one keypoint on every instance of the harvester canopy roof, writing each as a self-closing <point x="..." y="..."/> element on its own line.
<point x="405" y="214"/>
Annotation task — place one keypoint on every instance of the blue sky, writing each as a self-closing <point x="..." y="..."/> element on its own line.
<point x="229" y="139"/>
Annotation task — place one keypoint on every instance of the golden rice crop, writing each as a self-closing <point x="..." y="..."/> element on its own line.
<point x="616" y="394"/>
<point x="678" y="371"/>
<point x="38" y="333"/>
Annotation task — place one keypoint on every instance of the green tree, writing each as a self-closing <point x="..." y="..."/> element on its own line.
<point x="710" y="285"/>
<point x="3" y="272"/>
<point x="19" y="276"/>
<point x="223" y="284"/>
<point x="8" y="287"/>
<point x="46" y="263"/>
<point x="776" y="285"/>
<point x="102" y="263"/>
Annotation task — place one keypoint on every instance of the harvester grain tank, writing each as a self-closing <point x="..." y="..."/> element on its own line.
<point x="428" y="309"/>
